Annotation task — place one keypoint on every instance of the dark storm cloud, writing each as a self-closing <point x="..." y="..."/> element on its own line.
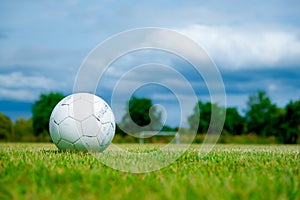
<point x="250" y="80"/>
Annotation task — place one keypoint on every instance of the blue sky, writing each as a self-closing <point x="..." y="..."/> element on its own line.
<point x="255" y="44"/>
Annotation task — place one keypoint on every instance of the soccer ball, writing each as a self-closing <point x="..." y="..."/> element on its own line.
<point x="82" y="122"/>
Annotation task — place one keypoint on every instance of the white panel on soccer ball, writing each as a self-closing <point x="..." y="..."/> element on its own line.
<point x="106" y="134"/>
<point x="64" y="145"/>
<point x="112" y="119"/>
<point x="107" y="139"/>
<point x="80" y="109"/>
<point x="100" y="109"/>
<point x="60" y="113"/>
<point x="70" y="130"/>
<point x="90" y="97"/>
<point x="67" y="100"/>
<point x="90" y="126"/>
<point x="100" y="138"/>
<point x="105" y="129"/>
<point x="91" y="143"/>
<point x="76" y="96"/>
<point x="112" y="131"/>
<point x="54" y="131"/>
<point x="106" y="118"/>
<point x="79" y="146"/>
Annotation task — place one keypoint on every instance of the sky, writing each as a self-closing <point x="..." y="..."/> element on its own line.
<point x="254" y="44"/>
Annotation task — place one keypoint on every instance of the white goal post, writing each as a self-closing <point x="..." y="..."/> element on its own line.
<point x="147" y="134"/>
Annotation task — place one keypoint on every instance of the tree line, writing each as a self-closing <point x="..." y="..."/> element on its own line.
<point x="35" y="129"/>
<point x="261" y="117"/>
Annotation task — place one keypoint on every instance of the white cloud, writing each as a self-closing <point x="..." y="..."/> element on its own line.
<point x="21" y="87"/>
<point x="19" y="80"/>
<point x="39" y="57"/>
<point x="240" y="47"/>
<point x="26" y="95"/>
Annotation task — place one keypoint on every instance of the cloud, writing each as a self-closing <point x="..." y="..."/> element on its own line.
<point x="19" y="86"/>
<point x="25" y="95"/>
<point x="19" y="80"/>
<point x="244" y="47"/>
<point x="41" y="58"/>
<point x="281" y="84"/>
<point x="255" y="44"/>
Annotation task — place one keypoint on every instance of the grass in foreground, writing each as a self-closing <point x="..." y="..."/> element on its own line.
<point x="39" y="171"/>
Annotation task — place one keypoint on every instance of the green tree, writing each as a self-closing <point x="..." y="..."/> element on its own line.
<point x="290" y="123"/>
<point x="144" y="115"/>
<point x="234" y="122"/>
<point x="169" y="128"/>
<point x="261" y="114"/>
<point x="24" y="130"/>
<point x="41" y="111"/>
<point x="205" y="110"/>
<point x="6" y="128"/>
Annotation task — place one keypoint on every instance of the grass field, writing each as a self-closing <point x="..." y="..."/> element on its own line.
<point x="39" y="171"/>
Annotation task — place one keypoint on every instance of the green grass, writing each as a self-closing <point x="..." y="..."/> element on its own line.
<point x="39" y="171"/>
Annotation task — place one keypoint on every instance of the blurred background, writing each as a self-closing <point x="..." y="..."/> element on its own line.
<point x="255" y="44"/>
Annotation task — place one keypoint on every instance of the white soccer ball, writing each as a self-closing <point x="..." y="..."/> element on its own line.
<point x="82" y="122"/>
